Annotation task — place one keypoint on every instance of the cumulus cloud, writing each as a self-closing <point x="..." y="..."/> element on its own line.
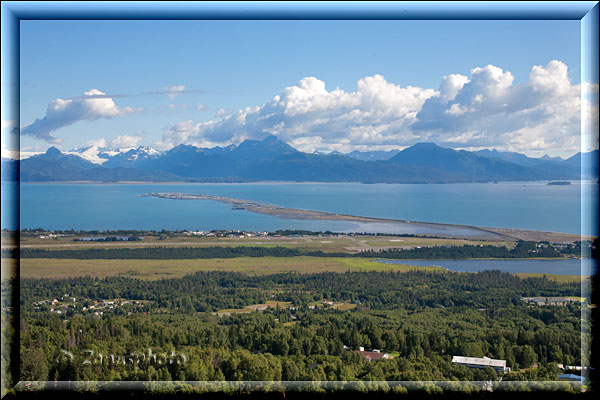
<point x="485" y="109"/>
<point x="221" y="111"/>
<point x="61" y="113"/>
<point x="377" y="113"/>
<point x="488" y="110"/>
<point x="97" y="143"/>
<point x="126" y="141"/>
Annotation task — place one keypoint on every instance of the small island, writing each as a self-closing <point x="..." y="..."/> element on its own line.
<point x="559" y="183"/>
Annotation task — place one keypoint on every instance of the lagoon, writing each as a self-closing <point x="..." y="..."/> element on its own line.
<point x="570" y="266"/>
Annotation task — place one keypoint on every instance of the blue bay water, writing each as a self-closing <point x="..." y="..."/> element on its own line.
<point x="535" y="206"/>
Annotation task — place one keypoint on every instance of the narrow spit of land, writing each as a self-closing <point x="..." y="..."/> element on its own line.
<point x="269" y="209"/>
<point x="294" y="213"/>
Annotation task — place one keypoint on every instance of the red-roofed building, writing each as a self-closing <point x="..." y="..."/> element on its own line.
<point x="374" y="355"/>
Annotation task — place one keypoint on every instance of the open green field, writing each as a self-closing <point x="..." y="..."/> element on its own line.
<point x="326" y="243"/>
<point x="159" y="269"/>
<point x="254" y="308"/>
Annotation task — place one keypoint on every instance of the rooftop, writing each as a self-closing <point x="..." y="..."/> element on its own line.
<point x="373" y="355"/>
<point x="485" y="361"/>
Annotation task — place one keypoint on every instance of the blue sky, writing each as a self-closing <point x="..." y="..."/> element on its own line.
<point x="351" y="84"/>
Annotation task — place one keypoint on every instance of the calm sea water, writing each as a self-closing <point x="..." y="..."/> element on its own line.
<point x="520" y="205"/>
<point x="570" y="266"/>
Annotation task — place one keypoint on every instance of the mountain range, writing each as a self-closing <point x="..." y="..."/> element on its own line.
<point x="273" y="160"/>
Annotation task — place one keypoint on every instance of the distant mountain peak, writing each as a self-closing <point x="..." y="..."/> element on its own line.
<point x="182" y="147"/>
<point x="271" y="138"/>
<point x="425" y="145"/>
<point x="271" y="144"/>
<point x="53" y="152"/>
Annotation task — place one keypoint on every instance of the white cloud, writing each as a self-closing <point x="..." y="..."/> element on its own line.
<point x="61" y="113"/>
<point x="457" y="109"/>
<point x="451" y="85"/>
<point x="200" y="107"/>
<point x="220" y="112"/>
<point x="540" y="116"/>
<point x="97" y="143"/>
<point x="126" y="141"/>
<point x="377" y="113"/>
<point x="485" y="109"/>
<point x="175" y="91"/>
<point x="552" y="79"/>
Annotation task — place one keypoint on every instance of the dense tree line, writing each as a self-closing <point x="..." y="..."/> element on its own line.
<point x="109" y="239"/>
<point x="523" y="249"/>
<point x="213" y="290"/>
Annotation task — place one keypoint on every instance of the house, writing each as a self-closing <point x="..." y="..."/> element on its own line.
<point x="481" y="363"/>
<point x="372" y="355"/>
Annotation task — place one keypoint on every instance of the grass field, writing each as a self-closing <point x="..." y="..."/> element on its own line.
<point x="327" y="243"/>
<point x="159" y="269"/>
<point x="254" y="307"/>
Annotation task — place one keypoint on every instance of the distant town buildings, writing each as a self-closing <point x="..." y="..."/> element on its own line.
<point x="549" y="301"/>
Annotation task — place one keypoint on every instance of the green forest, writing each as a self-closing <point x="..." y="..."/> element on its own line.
<point x="197" y="328"/>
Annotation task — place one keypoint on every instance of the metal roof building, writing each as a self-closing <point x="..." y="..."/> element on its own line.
<point x="481" y="363"/>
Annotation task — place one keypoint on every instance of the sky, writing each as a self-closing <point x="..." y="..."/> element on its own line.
<point x="317" y="85"/>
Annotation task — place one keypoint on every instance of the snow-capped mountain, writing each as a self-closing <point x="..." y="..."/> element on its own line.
<point x="114" y="157"/>
<point x="93" y="154"/>
<point x="132" y="156"/>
